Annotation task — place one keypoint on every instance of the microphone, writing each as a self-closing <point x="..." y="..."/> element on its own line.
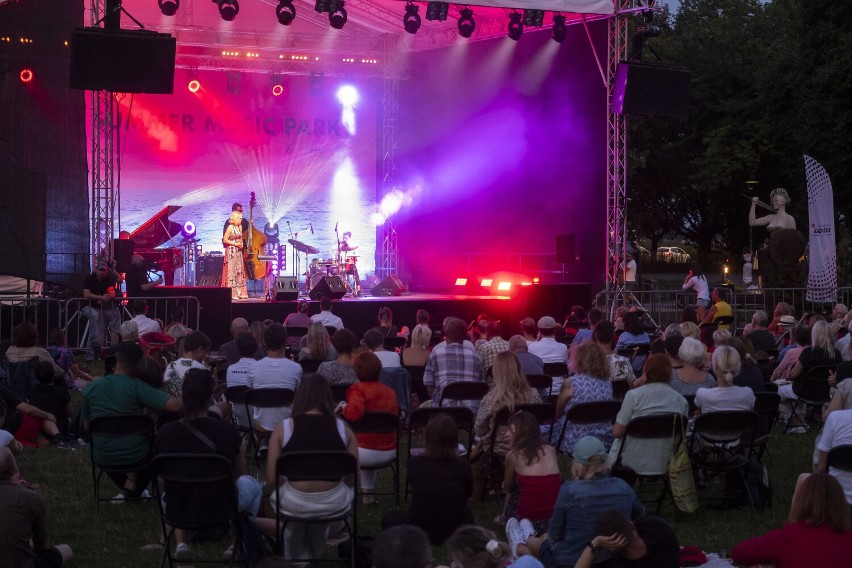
<point x="312" y="228"/>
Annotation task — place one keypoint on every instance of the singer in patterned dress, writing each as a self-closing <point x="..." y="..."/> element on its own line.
<point x="233" y="268"/>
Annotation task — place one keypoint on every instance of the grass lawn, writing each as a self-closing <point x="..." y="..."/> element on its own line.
<point x="113" y="538"/>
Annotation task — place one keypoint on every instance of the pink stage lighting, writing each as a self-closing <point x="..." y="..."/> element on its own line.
<point x="486" y="282"/>
<point x="277" y="90"/>
<point x="461" y="281"/>
<point x="26" y="75"/>
<point x="193" y="86"/>
<point x="504" y="286"/>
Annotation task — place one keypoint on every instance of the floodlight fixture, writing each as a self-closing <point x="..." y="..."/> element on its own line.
<point x="648" y="30"/>
<point x="194" y="85"/>
<point x="516" y="26"/>
<point x="337" y="14"/>
<point x="534" y="18"/>
<point x="321" y="6"/>
<point x="411" y="20"/>
<point x="168" y="7"/>
<point x="228" y="9"/>
<point x="437" y="11"/>
<point x="188" y="230"/>
<point x="285" y="12"/>
<point x="466" y="24"/>
<point x="26" y="75"/>
<point x="560" y="30"/>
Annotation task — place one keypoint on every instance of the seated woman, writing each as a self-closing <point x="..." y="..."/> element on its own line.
<point x="690" y="377"/>
<point x="440" y="482"/>
<point x="317" y="344"/>
<point x="633" y="335"/>
<point x="75" y="377"/>
<point x="312" y="426"/>
<point x="726" y="395"/>
<point x="472" y="546"/>
<point x="25" y="348"/>
<point x="386" y="326"/>
<point x="818" y="531"/>
<point x="578" y="506"/>
<point x="532" y="477"/>
<point x="590" y="383"/>
<point x="801" y="338"/>
<point x="418" y="353"/>
<point x="647" y="457"/>
<point x="340" y="371"/>
<point x="619" y="367"/>
<point x="370" y="395"/>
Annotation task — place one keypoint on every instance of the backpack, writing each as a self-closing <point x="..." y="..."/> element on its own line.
<point x="758" y="486"/>
<point x="256" y="545"/>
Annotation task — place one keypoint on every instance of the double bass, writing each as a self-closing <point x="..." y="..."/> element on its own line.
<point x="254" y="243"/>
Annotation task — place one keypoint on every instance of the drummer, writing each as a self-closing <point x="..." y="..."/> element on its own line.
<point x="349" y="268"/>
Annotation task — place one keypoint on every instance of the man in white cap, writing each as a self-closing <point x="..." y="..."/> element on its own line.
<point x="550" y="350"/>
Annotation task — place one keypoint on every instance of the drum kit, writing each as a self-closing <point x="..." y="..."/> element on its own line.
<point x="343" y="265"/>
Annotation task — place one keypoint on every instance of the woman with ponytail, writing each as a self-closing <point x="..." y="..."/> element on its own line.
<point x="726" y="396"/>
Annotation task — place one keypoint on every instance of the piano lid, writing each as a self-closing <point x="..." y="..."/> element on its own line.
<point x="157" y="230"/>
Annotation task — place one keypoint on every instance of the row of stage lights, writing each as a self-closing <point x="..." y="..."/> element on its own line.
<point x="252" y="55"/>
<point x="435" y="11"/>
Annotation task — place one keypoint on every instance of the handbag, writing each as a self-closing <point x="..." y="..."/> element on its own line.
<point x="681" y="480"/>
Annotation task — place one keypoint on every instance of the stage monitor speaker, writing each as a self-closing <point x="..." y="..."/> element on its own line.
<point x="651" y="89"/>
<point x="286" y="287"/>
<point x="390" y="286"/>
<point x="122" y="252"/>
<point x="329" y="287"/>
<point x="122" y="61"/>
<point x="566" y="250"/>
<point x="208" y="270"/>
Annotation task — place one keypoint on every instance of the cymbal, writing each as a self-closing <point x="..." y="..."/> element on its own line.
<point x="303" y="247"/>
<point x="345" y="247"/>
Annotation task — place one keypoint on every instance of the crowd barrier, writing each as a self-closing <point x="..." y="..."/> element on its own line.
<point x="45" y="313"/>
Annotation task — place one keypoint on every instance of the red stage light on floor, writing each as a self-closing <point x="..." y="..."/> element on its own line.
<point x="461" y="281"/>
<point x="486" y="282"/>
<point x="504" y="286"/>
<point x="277" y="90"/>
<point x="26" y="75"/>
<point x="193" y="86"/>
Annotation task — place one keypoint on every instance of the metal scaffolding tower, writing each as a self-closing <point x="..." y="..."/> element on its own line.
<point x="388" y="262"/>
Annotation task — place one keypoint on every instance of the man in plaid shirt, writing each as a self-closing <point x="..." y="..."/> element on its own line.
<point x="494" y="345"/>
<point x="454" y="362"/>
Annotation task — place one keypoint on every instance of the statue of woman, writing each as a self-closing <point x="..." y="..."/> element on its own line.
<point x="779" y="199"/>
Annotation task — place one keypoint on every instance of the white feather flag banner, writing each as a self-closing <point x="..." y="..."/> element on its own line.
<point x="822" y="255"/>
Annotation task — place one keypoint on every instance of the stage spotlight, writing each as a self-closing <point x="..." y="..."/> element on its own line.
<point x="286" y="12"/>
<point x="516" y="26"/>
<point x="193" y="86"/>
<point x="437" y="11"/>
<point x="228" y="9"/>
<point x="337" y="14"/>
<point x="347" y="95"/>
<point x="648" y="30"/>
<point x="277" y="90"/>
<point x="534" y="18"/>
<point x="411" y="19"/>
<point x="461" y="281"/>
<point x="560" y="31"/>
<point x="466" y="23"/>
<point x="168" y="7"/>
<point x="188" y="230"/>
<point x="271" y="232"/>
<point x="504" y="286"/>
<point x="321" y="6"/>
<point x="486" y="282"/>
<point x="26" y="75"/>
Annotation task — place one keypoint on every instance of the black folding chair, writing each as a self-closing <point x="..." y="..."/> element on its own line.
<point x="543" y="413"/>
<point x="840" y="457"/>
<point x="766" y="407"/>
<point x="690" y="400"/>
<point x="813" y="391"/>
<point x="596" y="412"/>
<point x="541" y="383"/>
<point x="338" y="392"/>
<point x="393" y="343"/>
<point x="20" y="376"/>
<point x="264" y="398"/>
<point x="309" y="365"/>
<point x="236" y="396"/>
<point x="417" y="386"/>
<point x="619" y="389"/>
<point x="299" y="332"/>
<point x="720" y="443"/>
<point x="197" y="478"/>
<point x="381" y="423"/>
<point x="317" y="465"/>
<point x="330" y="330"/>
<point x="666" y="427"/>
<point x="463" y="391"/>
<point x="556" y="369"/>
<point x="462" y="416"/>
<point x="134" y="428"/>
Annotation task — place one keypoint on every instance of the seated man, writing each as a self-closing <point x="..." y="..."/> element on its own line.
<point x="196" y="346"/>
<point x="229" y="351"/>
<point x="454" y="362"/>
<point x="837" y="431"/>
<point x="550" y="350"/>
<point x="51" y="395"/>
<point x="275" y="371"/>
<point x="198" y="433"/>
<point x="123" y="394"/>
<point x="23" y="540"/>
<point x="237" y="374"/>
<point x="646" y="542"/>
<point x="375" y="342"/>
<point x="140" y="315"/>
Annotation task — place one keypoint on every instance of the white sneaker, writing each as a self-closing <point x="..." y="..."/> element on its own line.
<point x="183" y="552"/>
<point x="119" y="498"/>
<point x="527" y="528"/>
<point x="514" y="535"/>
<point x="797" y="430"/>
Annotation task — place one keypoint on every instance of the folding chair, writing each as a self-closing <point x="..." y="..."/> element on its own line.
<point x="329" y="329"/>
<point x="139" y="427"/>
<point x="20" y="377"/>
<point x="236" y="396"/>
<point x="208" y="481"/>
<point x="543" y="413"/>
<point x="766" y="407"/>
<point x="596" y="412"/>
<point x="393" y="343"/>
<point x="338" y="392"/>
<point x="381" y="423"/>
<point x="665" y="427"/>
<point x="417" y="386"/>
<point x="840" y="457"/>
<point x="463" y="391"/>
<point x="264" y="398"/>
<point x="720" y="443"/>
<point x="690" y="400"/>
<point x="541" y="383"/>
<point x="317" y="465"/>
<point x="813" y="391"/>
<point x="619" y="389"/>
<point x="556" y="369"/>
<point x="309" y="365"/>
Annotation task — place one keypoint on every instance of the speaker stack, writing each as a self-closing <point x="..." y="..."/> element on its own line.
<point x="390" y="286"/>
<point x="286" y="288"/>
<point x="329" y="287"/>
<point x="208" y="270"/>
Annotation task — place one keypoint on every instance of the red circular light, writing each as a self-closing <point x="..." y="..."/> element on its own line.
<point x="277" y="90"/>
<point x="193" y="86"/>
<point x="26" y="75"/>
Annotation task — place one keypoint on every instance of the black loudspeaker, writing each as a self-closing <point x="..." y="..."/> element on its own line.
<point x="329" y="287"/>
<point x="565" y="249"/>
<point x="123" y="61"/>
<point x="122" y="251"/>
<point x="286" y="287"/>
<point x="390" y="286"/>
<point x="651" y="89"/>
<point x="208" y="270"/>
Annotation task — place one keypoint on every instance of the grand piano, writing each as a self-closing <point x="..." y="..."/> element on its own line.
<point x="153" y="233"/>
